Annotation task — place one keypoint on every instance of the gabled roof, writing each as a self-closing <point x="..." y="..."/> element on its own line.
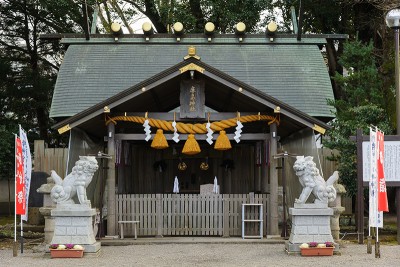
<point x="223" y="92"/>
<point x="97" y="70"/>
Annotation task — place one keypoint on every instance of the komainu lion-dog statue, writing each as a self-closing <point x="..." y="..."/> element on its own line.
<point x="312" y="181"/>
<point x="75" y="183"/>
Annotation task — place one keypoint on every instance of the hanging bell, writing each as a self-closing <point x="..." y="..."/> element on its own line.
<point x="159" y="141"/>
<point x="191" y="146"/>
<point x="222" y="142"/>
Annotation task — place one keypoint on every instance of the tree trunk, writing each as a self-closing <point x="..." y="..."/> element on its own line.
<point x="152" y="13"/>
<point x="198" y="14"/>
<point x="334" y="67"/>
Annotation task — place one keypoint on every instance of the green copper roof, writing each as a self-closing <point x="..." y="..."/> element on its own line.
<point x="94" y="71"/>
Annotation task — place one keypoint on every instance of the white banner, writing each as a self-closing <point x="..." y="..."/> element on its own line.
<point x="375" y="217"/>
<point x="26" y="154"/>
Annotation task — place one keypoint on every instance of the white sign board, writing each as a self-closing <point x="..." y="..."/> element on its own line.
<point x="392" y="161"/>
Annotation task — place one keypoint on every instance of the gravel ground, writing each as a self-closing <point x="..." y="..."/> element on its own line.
<point x="207" y="255"/>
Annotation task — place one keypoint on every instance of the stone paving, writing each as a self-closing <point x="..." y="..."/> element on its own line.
<point x="205" y="252"/>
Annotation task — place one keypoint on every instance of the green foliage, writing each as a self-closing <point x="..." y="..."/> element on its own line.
<point x="8" y="127"/>
<point x="323" y="17"/>
<point x="226" y="14"/>
<point x="362" y="105"/>
<point x="193" y="14"/>
<point x="7" y="152"/>
<point x="28" y="70"/>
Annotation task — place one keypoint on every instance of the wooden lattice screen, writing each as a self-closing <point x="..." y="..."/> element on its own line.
<point x="188" y="214"/>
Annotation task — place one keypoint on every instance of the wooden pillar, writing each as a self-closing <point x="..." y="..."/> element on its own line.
<point x="111" y="212"/>
<point x="264" y="172"/>
<point x="264" y="184"/>
<point x="273" y="183"/>
<point x="258" y="167"/>
<point x="257" y="182"/>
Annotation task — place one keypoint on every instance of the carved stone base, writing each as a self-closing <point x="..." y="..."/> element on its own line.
<point x="310" y="223"/>
<point x="74" y="225"/>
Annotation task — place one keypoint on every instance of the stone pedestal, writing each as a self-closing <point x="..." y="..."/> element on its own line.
<point x="336" y="205"/>
<point x="74" y="225"/>
<point x="310" y="223"/>
<point x="48" y="206"/>
<point x="48" y="224"/>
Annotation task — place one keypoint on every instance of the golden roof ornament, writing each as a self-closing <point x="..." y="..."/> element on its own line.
<point x="191" y="53"/>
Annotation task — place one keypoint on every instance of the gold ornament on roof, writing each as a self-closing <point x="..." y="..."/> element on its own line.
<point x="191" y="53"/>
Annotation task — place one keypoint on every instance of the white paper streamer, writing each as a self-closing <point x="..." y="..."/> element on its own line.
<point x="209" y="133"/>
<point x="147" y="130"/>
<point x="216" y="186"/>
<point x="176" y="135"/>
<point x="238" y="131"/>
<point x="176" y="185"/>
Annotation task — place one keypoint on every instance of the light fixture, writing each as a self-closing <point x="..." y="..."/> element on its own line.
<point x="271" y="30"/>
<point x="116" y="30"/>
<point x="178" y="30"/>
<point x="240" y="30"/>
<point x="393" y="19"/>
<point x="147" y="30"/>
<point x="209" y="30"/>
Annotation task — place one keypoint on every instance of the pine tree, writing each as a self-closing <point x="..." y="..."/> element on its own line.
<point x="362" y="105"/>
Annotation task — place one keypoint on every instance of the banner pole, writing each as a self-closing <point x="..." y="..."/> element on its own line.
<point x="15" y="190"/>
<point x="370" y="189"/>
<point x="22" y="237"/>
<point x="377" y="246"/>
<point x="15" y="195"/>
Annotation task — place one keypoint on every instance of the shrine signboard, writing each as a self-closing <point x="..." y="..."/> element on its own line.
<point x="192" y="99"/>
<point x="392" y="161"/>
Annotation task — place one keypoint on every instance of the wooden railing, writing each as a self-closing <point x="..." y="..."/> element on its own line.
<point x="188" y="214"/>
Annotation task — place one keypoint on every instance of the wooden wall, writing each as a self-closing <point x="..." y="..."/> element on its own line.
<point x="47" y="159"/>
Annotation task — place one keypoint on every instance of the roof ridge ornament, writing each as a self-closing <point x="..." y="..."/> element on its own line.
<point x="191" y="53"/>
<point x="191" y="66"/>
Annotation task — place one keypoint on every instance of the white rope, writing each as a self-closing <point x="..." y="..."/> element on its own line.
<point x="319" y="160"/>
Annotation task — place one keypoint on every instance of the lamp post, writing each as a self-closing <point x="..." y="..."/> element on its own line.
<point x="393" y="21"/>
